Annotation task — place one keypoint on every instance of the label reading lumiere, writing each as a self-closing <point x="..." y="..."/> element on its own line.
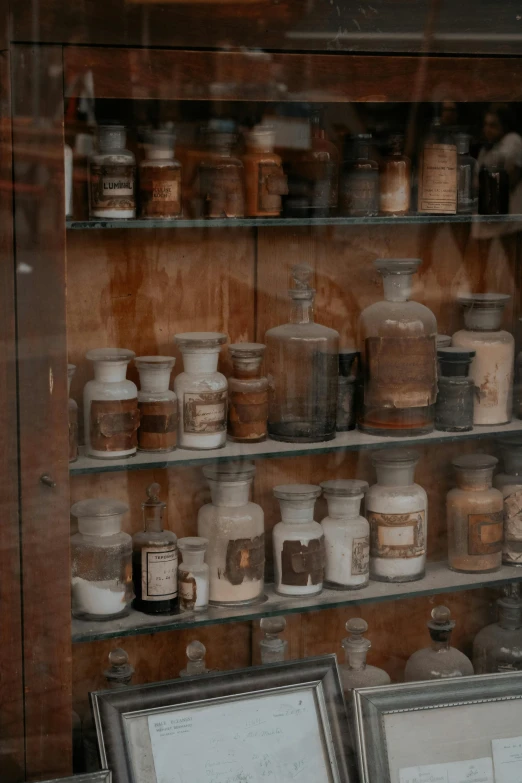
<point x="205" y="412"/>
<point x="397" y="535"/>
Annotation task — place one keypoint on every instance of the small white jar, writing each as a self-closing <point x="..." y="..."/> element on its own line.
<point x="397" y="510"/>
<point x="158" y="405"/>
<point x="202" y="392"/>
<point x="298" y="541"/>
<point x="193" y="575"/>
<point x="110" y="405"/>
<point x="346" y="535"/>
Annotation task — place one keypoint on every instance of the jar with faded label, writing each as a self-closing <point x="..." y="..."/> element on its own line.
<point x="398" y="352"/>
<point x="112" y="174"/>
<point x="234" y="527"/>
<point x="497" y="648"/>
<point x="437" y="193"/>
<point x="202" y="392"/>
<point x="298" y="541"/>
<point x="265" y="181"/>
<point x="220" y="184"/>
<point x="160" y="177"/>
<point x="346" y="535"/>
<point x="510" y="484"/>
<point x="158" y="431"/>
<point x="248" y="394"/>
<point x="193" y="575"/>
<point x="397" y="511"/>
<point x="110" y="406"/>
<point x="73" y="417"/>
<point x="155" y="559"/>
<point x="475" y="516"/>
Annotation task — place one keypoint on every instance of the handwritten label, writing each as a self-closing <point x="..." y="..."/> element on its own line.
<point x="474" y="771"/>
<point x="507" y="759"/>
<point x="272" y="738"/>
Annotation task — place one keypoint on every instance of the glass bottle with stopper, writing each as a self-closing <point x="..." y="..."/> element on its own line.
<point x="196" y="663"/>
<point x="498" y="647"/>
<point x="398" y="349"/>
<point x="440" y="660"/>
<point x="273" y="648"/>
<point x="346" y="535"/>
<point x="510" y="484"/>
<point x="302" y="368"/>
<point x="248" y="394"/>
<point x="155" y="559"/>
<point x="355" y="672"/>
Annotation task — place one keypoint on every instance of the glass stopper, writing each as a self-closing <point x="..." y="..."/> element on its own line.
<point x="356" y="646"/>
<point x="196" y="663"/>
<point x="441" y="619"/>
<point x="120" y="670"/>
<point x="273" y="649"/>
<point x="153" y="491"/>
<point x="356" y="626"/>
<point x="302" y="277"/>
<point x="272" y="626"/>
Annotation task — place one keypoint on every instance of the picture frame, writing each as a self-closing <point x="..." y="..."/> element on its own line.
<point x="449" y="722"/>
<point x="278" y="720"/>
<point x="102" y="776"/>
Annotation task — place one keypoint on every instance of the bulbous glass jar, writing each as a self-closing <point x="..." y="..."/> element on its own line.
<point x="298" y="541"/>
<point x="475" y="516"/>
<point x="397" y="510"/>
<point x="235" y="531"/>
<point x="510" y="484"/>
<point x="346" y="535"/>
<point x="398" y="349"/>
<point x="440" y="660"/>
<point x="498" y="647"/>
<point x="492" y="368"/>
<point x="355" y="672"/>
<point x="101" y="561"/>
<point x="302" y="368"/>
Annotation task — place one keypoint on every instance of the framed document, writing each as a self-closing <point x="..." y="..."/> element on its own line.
<point x="280" y="722"/>
<point x="104" y="776"/>
<point x="458" y="730"/>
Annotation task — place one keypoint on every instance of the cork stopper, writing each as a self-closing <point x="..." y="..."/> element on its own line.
<point x="120" y="672"/>
<point x="196" y="664"/>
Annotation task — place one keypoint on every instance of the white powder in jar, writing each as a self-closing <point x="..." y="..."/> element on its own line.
<point x="97" y="598"/>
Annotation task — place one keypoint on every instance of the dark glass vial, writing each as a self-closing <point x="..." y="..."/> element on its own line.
<point x="493" y="190"/>
<point x="359" y="189"/>
<point x="454" y="406"/>
<point x="466" y="167"/>
<point x="346" y="394"/>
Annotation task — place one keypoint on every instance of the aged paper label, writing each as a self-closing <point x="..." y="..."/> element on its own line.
<point x="401" y="372"/>
<point x="474" y="771"/>
<point x="438" y="179"/>
<point x="112" y="186"/>
<point x="303" y="564"/>
<point x="272" y="185"/>
<point x="397" y="535"/>
<point x="360" y="555"/>
<point x="507" y="759"/>
<point x="486" y="533"/>
<point x="165" y="190"/>
<point x="114" y="424"/>
<point x="159" y="573"/>
<point x="205" y="411"/>
<point x="245" y="560"/>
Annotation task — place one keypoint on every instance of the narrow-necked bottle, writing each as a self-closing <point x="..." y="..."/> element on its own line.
<point x="355" y="672"/>
<point x="302" y="368"/>
<point x="398" y="348"/>
<point x="272" y="647"/>
<point x="346" y="535"/>
<point x="498" y="647"/>
<point x="397" y="510"/>
<point x="475" y="516"/>
<point x="440" y="660"/>
<point x="298" y="540"/>
<point x="196" y="663"/>
<point x="220" y="174"/>
<point x="155" y="559"/>
<point x="510" y="484"/>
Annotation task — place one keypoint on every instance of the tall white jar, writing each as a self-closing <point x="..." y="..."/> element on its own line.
<point x="397" y="510"/>
<point x="298" y="541"/>
<point x="235" y="530"/>
<point x="346" y="535"/>
<point x="110" y="405"/>
<point x="202" y="392"/>
<point x="492" y="368"/>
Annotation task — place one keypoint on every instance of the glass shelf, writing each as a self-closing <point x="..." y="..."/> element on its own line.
<point x="321" y="221"/>
<point x="438" y="579"/>
<point x="271" y="449"/>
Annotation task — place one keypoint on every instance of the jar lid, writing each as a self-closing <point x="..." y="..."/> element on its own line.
<point x="240" y="470"/>
<point x="344" y="487"/>
<point x="155" y="362"/>
<point x="192" y="544"/>
<point x="489" y="301"/>
<point x="443" y="340"/>
<point x="112" y="136"/>
<point x="98" y="507"/>
<point x="199" y="341"/>
<point x="160" y="139"/>
<point x="246" y="350"/>
<point x="455" y="361"/>
<point x="296" y="491"/>
<point x="261" y="137"/>
<point x="346" y="360"/>
<point x="110" y="355"/>
<point x="397" y="266"/>
<point x="475" y="462"/>
<point x="395" y="456"/>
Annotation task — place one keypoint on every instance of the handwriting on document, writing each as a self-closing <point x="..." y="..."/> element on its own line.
<point x="473" y="771"/>
<point x="507" y="760"/>
<point x="275" y="738"/>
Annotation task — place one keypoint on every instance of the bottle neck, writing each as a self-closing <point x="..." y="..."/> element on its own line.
<point x="246" y="369"/>
<point x="154" y="380"/>
<point x="475" y="479"/>
<point x="153" y="518"/>
<point x="397" y="288"/>
<point x="302" y="310"/>
<point x="200" y="363"/>
<point x="510" y="617"/>
<point x="440" y="638"/>
<point x="159" y="154"/>
<point x="355" y="658"/>
<point x="227" y="494"/>
<point x="344" y="507"/>
<point x="395" y="475"/>
<point x="195" y="667"/>
<point x="193" y="559"/>
<point x="297" y="511"/>
<point x="110" y="372"/>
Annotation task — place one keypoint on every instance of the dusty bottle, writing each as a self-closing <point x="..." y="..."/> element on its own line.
<point x="273" y="649"/>
<point x="398" y="349"/>
<point x="456" y="395"/>
<point x="112" y="174"/>
<point x="196" y="663"/>
<point x="359" y="187"/>
<point x="397" y="510"/>
<point x="355" y="672"/>
<point x="509" y="484"/>
<point x="437" y="190"/>
<point x="346" y="535"/>
<point x="493" y="198"/>
<point x="73" y="417"/>
<point x="158" y="405"/>
<point x="265" y="181"/>
<point x="160" y="177"/>
<point x="302" y="370"/>
<point x="221" y="175"/>
<point x="475" y="516"/>
<point x="395" y="179"/>
<point x="440" y="660"/>
<point x="247" y="394"/>
<point x="155" y="560"/>
<point x="492" y="368"/>
<point x="498" y="647"/>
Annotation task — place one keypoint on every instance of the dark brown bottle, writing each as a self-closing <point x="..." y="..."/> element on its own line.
<point x="493" y="190"/>
<point x="359" y="189"/>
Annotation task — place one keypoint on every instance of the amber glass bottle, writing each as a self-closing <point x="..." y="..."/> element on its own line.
<point x="395" y="179"/>
<point x="265" y="181"/>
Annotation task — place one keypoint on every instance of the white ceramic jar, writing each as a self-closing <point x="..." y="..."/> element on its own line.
<point x="298" y="541"/>
<point x="110" y="405"/>
<point x="346" y="535"/>
<point x="397" y="510"/>
<point x="157" y="403"/>
<point x="202" y="392"/>
<point x="235" y="531"/>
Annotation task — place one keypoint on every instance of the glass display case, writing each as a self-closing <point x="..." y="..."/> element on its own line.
<point x="200" y="204"/>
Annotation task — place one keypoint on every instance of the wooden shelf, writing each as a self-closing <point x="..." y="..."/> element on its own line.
<point x="438" y="579"/>
<point x="270" y="449"/>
